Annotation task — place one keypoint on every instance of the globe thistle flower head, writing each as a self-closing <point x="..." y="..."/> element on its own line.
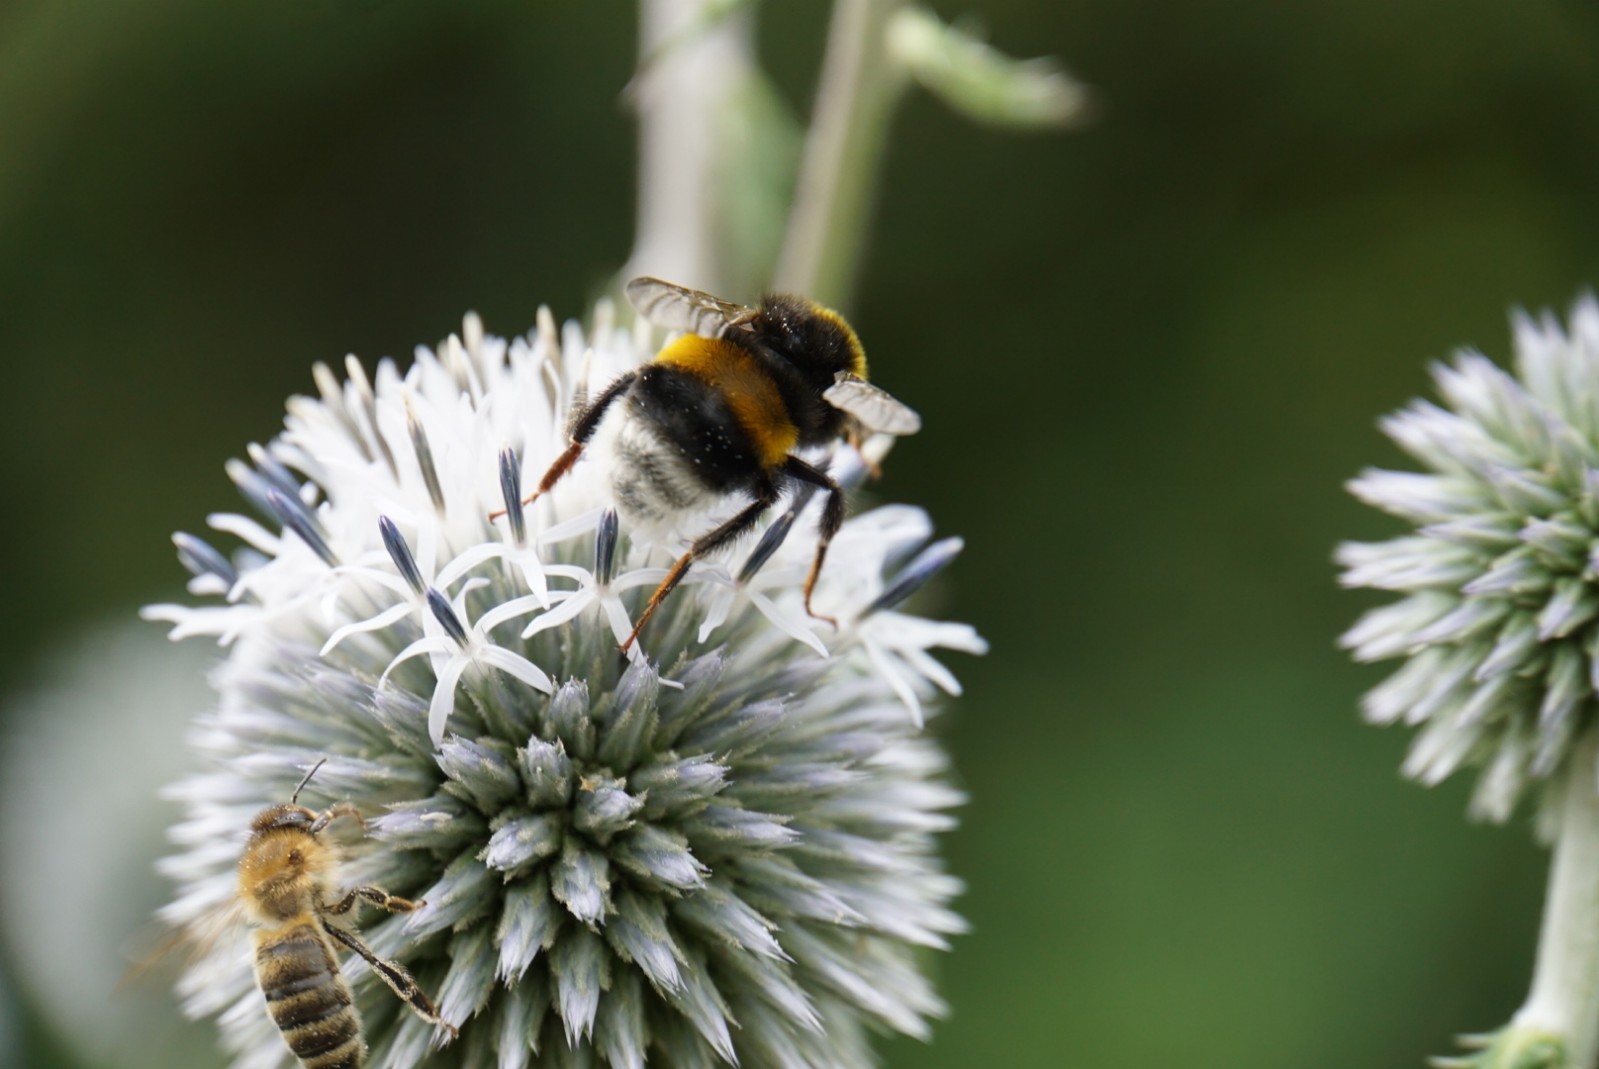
<point x="717" y="849"/>
<point x="1498" y="619"/>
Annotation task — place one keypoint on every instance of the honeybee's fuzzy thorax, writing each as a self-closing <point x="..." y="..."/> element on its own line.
<point x="281" y="871"/>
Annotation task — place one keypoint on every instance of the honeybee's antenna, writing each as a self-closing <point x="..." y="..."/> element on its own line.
<point x="295" y="797"/>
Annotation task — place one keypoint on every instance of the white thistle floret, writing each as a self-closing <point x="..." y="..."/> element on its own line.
<point x="727" y="858"/>
<point x="1499" y="615"/>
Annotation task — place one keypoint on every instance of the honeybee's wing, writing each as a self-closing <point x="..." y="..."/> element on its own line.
<point x="185" y="944"/>
<point x="874" y="409"/>
<point x="666" y="304"/>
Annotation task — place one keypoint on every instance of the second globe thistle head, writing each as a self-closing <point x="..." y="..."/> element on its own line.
<point x="1498" y="619"/>
<point x="720" y="848"/>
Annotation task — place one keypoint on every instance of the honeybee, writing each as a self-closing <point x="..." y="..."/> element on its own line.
<point x="286" y="887"/>
<point x="721" y="409"/>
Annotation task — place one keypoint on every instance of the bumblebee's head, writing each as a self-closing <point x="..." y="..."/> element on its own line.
<point x="814" y="338"/>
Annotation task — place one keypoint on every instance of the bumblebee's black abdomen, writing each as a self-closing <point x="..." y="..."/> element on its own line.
<point x="815" y="421"/>
<point x="699" y="424"/>
<point x="308" y="998"/>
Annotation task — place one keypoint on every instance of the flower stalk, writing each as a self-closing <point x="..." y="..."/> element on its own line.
<point x="1560" y="1020"/>
<point x="875" y="50"/>
<point x="855" y="98"/>
<point x="1558" y="1025"/>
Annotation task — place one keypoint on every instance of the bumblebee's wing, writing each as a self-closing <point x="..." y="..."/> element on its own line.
<point x="874" y="409"/>
<point x="666" y="304"/>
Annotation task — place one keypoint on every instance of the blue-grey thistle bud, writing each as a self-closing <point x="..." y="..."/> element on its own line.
<point x="1499" y="625"/>
<point x="717" y="849"/>
<point x="1498" y="620"/>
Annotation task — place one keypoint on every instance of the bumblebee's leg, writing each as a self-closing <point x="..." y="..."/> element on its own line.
<point x="395" y="976"/>
<point x="332" y="813"/>
<point x="765" y="497"/>
<point x="582" y="431"/>
<point x="375" y="895"/>
<point x="832" y="520"/>
<point x="856" y="436"/>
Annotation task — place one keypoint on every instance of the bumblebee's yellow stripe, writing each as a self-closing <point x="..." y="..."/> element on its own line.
<point x="748" y="390"/>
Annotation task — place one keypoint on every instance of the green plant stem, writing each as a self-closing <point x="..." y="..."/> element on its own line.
<point x="1564" y="999"/>
<point x="843" y="152"/>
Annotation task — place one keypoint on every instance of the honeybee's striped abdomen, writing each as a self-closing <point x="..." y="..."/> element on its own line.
<point x="307" y="997"/>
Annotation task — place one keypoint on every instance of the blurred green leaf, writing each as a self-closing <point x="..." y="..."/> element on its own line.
<point x="979" y="81"/>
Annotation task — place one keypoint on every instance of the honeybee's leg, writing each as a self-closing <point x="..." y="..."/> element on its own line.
<point x="582" y="430"/>
<point x="832" y="520"/>
<point x="765" y="497"/>
<point x="332" y="813"/>
<point x="375" y="895"/>
<point x="395" y="976"/>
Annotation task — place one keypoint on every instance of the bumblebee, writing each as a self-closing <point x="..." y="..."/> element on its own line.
<point x="721" y="410"/>
<point x="286" y="881"/>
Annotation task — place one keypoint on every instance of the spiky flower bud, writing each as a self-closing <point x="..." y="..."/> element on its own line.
<point x="719" y="849"/>
<point x="1498" y="621"/>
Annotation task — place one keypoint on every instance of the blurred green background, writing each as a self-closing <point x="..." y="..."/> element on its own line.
<point x="1148" y="353"/>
